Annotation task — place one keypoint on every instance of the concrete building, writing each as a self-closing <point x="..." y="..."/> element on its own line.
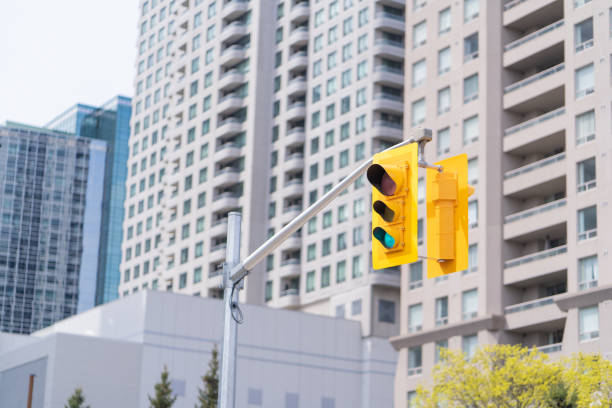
<point x="524" y="88"/>
<point x="50" y="226"/>
<point x="110" y="123"/>
<point x="117" y="351"/>
<point x="262" y="107"/>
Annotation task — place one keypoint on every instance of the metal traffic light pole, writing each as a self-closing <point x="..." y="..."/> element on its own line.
<point x="235" y="271"/>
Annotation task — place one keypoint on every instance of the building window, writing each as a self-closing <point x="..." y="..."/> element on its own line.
<point x="585" y="127"/>
<point x="469" y="304"/>
<point x="326" y="247"/>
<point x="473" y="214"/>
<point x="470" y="130"/>
<point x="585" y="176"/>
<point x="444" y="100"/>
<point x="418" y="112"/>
<point x="441" y="344"/>
<point x="588" y="272"/>
<point x="419" y="34"/>
<point x="587" y="223"/>
<point x="416" y="275"/>
<point x="583" y="35"/>
<point x="444" y="21"/>
<point x="325" y="276"/>
<point x="472" y="259"/>
<point x="419" y="73"/>
<point x="356" y="307"/>
<point x="473" y="171"/>
<point x="183" y="280"/>
<point x="585" y="81"/>
<point x="469" y="344"/>
<point x="340" y="271"/>
<point x="443" y="141"/>
<point x="340" y="311"/>
<point x="470" y="88"/>
<point x="197" y="274"/>
<point x="470" y="47"/>
<point x="588" y="323"/>
<point x="357" y="266"/>
<point x="310" y="281"/>
<point x="386" y="311"/>
<point x="442" y="311"/>
<point x="415" y="318"/>
<point x="415" y="361"/>
<point x="470" y="10"/>
<point x="268" y="292"/>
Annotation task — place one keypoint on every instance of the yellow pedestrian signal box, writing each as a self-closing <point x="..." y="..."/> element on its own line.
<point x="447" y="195"/>
<point x="394" y="177"/>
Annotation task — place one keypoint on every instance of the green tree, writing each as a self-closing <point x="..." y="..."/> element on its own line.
<point x="163" y="392"/>
<point x="77" y="399"/>
<point x="207" y="398"/>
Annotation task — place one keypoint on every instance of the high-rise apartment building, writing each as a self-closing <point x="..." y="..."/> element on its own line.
<point x="261" y="107"/>
<point x="523" y="87"/>
<point x="49" y="229"/>
<point x="110" y="123"/>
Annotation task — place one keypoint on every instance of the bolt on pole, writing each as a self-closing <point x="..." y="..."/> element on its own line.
<point x="227" y="389"/>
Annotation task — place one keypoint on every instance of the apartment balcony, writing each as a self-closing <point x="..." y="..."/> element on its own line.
<point x="218" y="227"/>
<point x="533" y="219"/>
<point x="290" y="267"/>
<point x="299" y="12"/>
<point x="234" y="9"/>
<point x="389" y="277"/>
<point x="291" y="212"/>
<point x="535" y="315"/>
<point x="217" y="254"/>
<point x="523" y="13"/>
<point x="230" y="103"/>
<point x="543" y="91"/>
<point x="388" y="103"/>
<point x="298" y="60"/>
<point x="294" y="242"/>
<point x="233" y="31"/>
<point x="295" y="111"/>
<point x="388" y="76"/>
<point x="299" y="36"/>
<point x="388" y="131"/>
<point x="539" y="133"/>
<point x="226" y="176"/>
<point x="536" y="267"/>
<point x="227" y="151"/>
<point x="389" y="22"/>
<point x="297" y="86"/>
<point x="231" y="79"/>
<point x="389" y="48"/>
<point x="294" y="162"/>
<point x="289" y="299"/>
<point x="536" y="48"/>
<point x="551" y="349"/>
<point x="229" y="127"/>
<point x="232" y="55"/>
<point x="295" y="136"/>
<point x="548" y="175"/>
<point x="225" y="201"/>
<point x="294" y="187"/>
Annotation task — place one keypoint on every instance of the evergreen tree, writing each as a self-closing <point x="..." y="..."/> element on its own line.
<point x="77" y="400"/>
<point x="207" y="397"/>
<point x="163" y="392"/>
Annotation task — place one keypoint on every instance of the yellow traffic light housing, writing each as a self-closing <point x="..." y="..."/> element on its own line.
<point x="447" y="195"/>
<point x="393" y="176"/>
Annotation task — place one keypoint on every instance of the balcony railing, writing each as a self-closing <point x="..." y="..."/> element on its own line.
<point x="550" y="348"/>
<point x="513" y="3"/>
<point x="587" y="284"/>
<point x="288" y="292"/>
<point x="293" y="182"/>
<point x="290" y="261"/>
<point x="384" y="41"/>
<point x="218" y="247"/>
<point x="414" y="371"/>
<point x="391" y="97"/>
<point x="385" y="68"/>
<point x="588" y="234"/>
<point x="534" y="35"/>
<point x="385" y="123"/>
<point x="534" y="211"/>
<point x="534" y="78"/>
<point x="382" y="14"/>
<point x="530" y="305"/>
<point x="584" y="45"/>
<point x="415" y="285"/>
<point x="535" y="121"/>
<point x="291" y="208"/>
<point x="534" y="166"/>
<point x="536" y="256"/>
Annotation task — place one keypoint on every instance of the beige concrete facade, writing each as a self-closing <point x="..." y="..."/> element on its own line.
<point x="540" y="154"/>
<point x="261" y="107"/>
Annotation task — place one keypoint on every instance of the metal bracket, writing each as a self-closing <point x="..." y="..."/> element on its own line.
<point x="424" y="138"/>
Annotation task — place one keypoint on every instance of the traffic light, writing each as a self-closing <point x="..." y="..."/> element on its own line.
<point x="447" y="195"/>
<point x="393" y="176"/>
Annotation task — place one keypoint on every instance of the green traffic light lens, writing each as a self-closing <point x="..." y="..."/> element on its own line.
<point x="383" y="237"/>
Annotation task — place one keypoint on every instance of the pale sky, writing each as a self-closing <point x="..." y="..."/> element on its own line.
<point x="55" y="53"/>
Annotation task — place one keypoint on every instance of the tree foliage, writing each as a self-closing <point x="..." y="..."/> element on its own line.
<point x="517" y="377"/>
<point x="207" y="398"/>
<point x="77" y="399"/>
<point x="163" y="392"/>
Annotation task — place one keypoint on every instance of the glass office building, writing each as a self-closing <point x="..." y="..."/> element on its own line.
<point x="110" y="123"/>
<point x="49" y="221"/>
